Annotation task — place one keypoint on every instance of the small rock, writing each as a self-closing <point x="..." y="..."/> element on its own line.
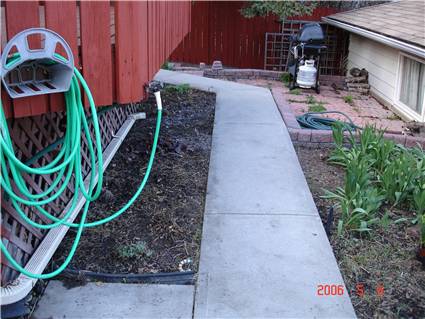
<point x="217" y="65"/>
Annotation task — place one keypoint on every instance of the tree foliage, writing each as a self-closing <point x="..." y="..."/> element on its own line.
<point x="282" y="9"/>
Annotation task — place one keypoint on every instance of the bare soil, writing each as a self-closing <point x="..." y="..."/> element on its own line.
<point x="386" y="258"/>
<point x="163" y="227"/>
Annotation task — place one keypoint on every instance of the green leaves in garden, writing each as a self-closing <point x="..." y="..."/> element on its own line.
<point x="378" y="171"/>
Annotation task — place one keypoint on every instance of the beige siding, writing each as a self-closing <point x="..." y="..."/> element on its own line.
<point x="380" y="60"/>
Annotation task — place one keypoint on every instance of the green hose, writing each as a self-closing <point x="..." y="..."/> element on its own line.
<point x="312" y="121"/>
<point x="65" y="165"/>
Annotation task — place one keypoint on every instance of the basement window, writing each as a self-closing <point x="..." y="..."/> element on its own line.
<point x="412" y="84"/>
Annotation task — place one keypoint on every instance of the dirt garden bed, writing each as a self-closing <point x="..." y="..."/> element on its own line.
<point x="384" y="260"/>
<point x="164" y="226"/>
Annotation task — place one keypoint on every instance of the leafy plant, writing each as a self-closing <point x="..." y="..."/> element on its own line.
<point x="282" y="9"/>
<point x="180" y="89"/>
<point x="419" y="194"/>
<point x="316" y="107"/>
<point x="397" y="178"/>
<point x="285" y="78"/>
<point x="166" y="66"/>
<point x="349" y="99"/>
<point x="133" y="250"/>
<point x="394" y="174"/>
<point x="311" y="99"/>
<point x="358" y="200"/>
<point x="295" y="92"/>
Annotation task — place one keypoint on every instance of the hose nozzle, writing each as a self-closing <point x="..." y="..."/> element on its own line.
<point x="158" y="100"/>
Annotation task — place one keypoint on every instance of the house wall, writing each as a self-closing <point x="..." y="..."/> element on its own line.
<point x="383" y="65"/>
<point x="380" y="60"/>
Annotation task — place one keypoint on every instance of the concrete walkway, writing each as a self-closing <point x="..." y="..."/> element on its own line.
<point x="114" y="301"/>
<point x="264" y="250"/>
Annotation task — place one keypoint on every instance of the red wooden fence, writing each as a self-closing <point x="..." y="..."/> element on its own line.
<point x="220" y="32"/>
<point x="119" y="46"/>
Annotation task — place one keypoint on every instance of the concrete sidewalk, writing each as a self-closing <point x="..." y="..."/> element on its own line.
<point x="264" y="250"/>
<point x="113" y="301"/>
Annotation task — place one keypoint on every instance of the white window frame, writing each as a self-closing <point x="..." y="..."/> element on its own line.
<point x="400" y="105"/>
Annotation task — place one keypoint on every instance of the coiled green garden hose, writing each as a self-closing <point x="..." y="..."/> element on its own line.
<point x="313" y="120"/>
<point x="67" y="164"/>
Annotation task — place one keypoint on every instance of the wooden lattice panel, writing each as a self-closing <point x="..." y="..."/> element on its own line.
<point x="332" y="59"/>
<point x="30" y="135"/>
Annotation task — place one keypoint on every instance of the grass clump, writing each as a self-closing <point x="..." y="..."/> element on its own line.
<point x="295" y="92"/>
<point x="134" y="250"/>
<point x="285" y="78"/>
<point x="314" y="105"/>
<point x="378" y="172"/>
<point x="349" y="99"/>
<point x="317" y="107"/>
<point x="181" y="88"/>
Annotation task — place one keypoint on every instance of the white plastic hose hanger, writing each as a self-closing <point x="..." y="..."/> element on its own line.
<point x="29" y="72"/>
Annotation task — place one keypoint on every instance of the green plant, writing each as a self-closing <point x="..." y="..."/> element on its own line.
<point x="316" y="107"/>
<point x="295" y="92"/>
<point x="133" y="250"/>
<point x="398" y="177"/>
<point x="349" y="99"/>
<point x="285" y="78"/>
<point x="358" y="200"/>
<point x="311" y="99"/>
<point x="166" y="66"/>
<point x="180" y="89"/>
<point x="282" y="9"/>
<point x="395" y="175"/>
<point x="418" y="197"/>
<point x="422" y="228"/>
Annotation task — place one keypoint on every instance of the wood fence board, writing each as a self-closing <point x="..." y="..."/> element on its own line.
<point x="56" y="12"/>
<point x="220" y="32"/>
<point x="140" y="50"/>
<point x="130" y="49"/>
<point x="124" y="29"/>
<point x="96" y="50"/>
<point x="21" y="15"/>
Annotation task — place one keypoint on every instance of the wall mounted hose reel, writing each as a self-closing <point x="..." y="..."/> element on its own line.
<point x="26" y="72"/>
<point x="29" y="72"/>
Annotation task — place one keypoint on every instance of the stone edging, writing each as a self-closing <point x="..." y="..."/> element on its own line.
<point x="307" y="136"/>
<point x="244" y="74"/>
